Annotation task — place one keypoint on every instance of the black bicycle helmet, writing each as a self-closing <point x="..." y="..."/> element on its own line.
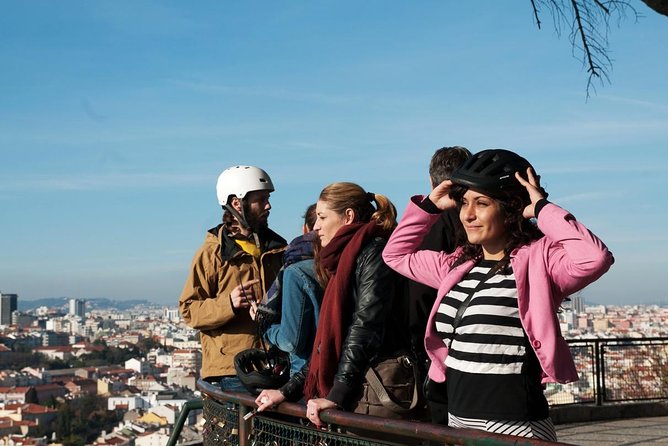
<point x="492" y="171"/>
<point x="257" y="369"/>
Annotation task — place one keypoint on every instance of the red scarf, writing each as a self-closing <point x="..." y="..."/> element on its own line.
<point x="339" y="258"/>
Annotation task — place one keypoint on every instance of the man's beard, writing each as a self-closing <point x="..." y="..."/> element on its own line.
<point x="256" y="221"/>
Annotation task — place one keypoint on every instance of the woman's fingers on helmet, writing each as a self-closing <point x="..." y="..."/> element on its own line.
<point x="534" y="178"/>
<point x="531" y="178"/>
<point x="521" y="179"/>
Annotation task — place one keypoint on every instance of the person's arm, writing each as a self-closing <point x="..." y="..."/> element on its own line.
<point x="202" y="305"/>
<point x="297" y="312"/>
<point x="374" y="284"/>
<point x="574" y="256"/>
<point x="293" y="390"/>
<point x="402" y="252"/>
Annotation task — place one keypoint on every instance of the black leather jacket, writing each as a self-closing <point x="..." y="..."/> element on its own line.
<point x="378" y="327"/>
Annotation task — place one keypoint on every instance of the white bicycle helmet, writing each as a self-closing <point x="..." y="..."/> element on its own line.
<point x="239" y="180"/>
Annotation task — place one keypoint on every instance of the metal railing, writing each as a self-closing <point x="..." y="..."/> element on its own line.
<point x="287" y="425"/>
<point x="615" y="370"/>
<point x="183" y="416"/>
<point x="610" y="371"/>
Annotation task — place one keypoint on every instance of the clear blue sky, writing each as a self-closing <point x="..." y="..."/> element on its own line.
<point x="117" y="116"/>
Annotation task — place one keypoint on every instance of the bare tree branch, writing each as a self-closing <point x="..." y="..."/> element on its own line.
<point x="593" y="67"/>
<point x="535" y="13"/>
<point x="589" y="23"/>
<point x="602" y="6"/>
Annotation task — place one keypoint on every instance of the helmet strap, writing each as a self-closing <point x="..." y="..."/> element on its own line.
<point x="242" y="221"/>
<point x="238" y="215"/>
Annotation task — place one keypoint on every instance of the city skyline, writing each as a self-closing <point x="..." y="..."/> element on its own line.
<point x="117" y="118"/>
<point x="32" y="303"/>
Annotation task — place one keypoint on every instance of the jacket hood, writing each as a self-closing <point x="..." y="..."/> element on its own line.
<point x="228" y="248"/>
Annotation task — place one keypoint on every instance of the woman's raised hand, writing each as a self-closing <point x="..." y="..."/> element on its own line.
<point x="440" y="196"/>
<point x="532" y="184"/>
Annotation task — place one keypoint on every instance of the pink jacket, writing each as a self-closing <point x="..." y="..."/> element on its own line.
<point x="563" y="262"/>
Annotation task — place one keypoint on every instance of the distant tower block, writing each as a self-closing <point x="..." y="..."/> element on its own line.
<point x="8" y="305"/>
<point x="578" y="304"/>
<point x="78" y="308"/>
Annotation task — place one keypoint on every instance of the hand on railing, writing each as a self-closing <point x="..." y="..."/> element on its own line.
<point x="269" y="398"/>
<point x="314" y="406"/>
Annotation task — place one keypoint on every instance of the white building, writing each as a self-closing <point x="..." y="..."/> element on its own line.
<point x="172" y="315"/>
<point x="78" y="308"/>
<point x="166" y="411"/>
<point x="158" y="438"/>
<point x="159" y="357"/>
<point x="58" y="324"/>
<point x="186" y="344"/>
<point x="187" y="358"/>
<point x="129" y="402"/>
<point x="139" y="365"/>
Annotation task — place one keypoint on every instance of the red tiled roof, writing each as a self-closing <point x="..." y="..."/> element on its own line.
<point x="30" y="408"/>
<point x="114" y="440"/>
<point x="14" y="389"/>
<point x="88" y="346"/>
<point x="118" y="371"/>
<point x="56" y="348"/>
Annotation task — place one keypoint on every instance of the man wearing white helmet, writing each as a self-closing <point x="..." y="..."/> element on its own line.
<point x="231" y="271"/>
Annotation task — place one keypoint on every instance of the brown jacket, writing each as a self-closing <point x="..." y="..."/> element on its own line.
<point x="218" y="266"/>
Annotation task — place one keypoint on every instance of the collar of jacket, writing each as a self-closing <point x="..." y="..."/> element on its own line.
<point x="229" y="248"/>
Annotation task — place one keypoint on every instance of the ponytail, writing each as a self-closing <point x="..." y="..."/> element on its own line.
<point x="385" y="214"/>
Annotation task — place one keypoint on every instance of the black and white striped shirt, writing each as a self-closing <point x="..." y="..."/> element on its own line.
<point x="489" y="338"/>
<point x="491" y="371"/>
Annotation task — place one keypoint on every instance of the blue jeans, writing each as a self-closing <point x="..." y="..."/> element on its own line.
<point x="300" y="310"/>
<point x="231" y="384"/>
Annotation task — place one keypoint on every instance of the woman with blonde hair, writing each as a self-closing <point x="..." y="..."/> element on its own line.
<point x="360" y="304"/>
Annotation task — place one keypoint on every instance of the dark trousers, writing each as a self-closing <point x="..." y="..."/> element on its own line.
<point x="437" y="400"/>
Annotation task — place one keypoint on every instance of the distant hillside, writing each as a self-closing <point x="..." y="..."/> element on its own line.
<point x="51" y="302"/>
<point x="96" y="303"/>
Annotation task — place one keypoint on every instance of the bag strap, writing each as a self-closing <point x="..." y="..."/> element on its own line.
<point x="464" y="305"/>
<point x="386" y="400"/>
